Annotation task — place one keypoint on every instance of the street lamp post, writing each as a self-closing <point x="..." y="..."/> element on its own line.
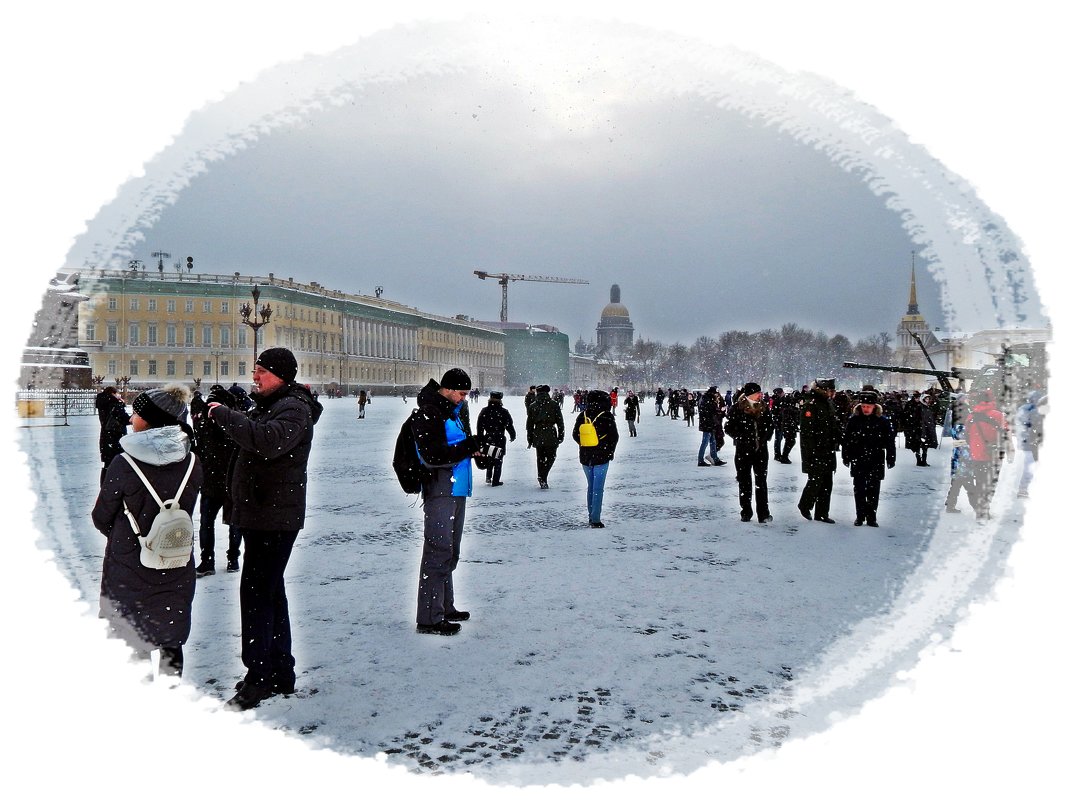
<point x="255" y="312"/>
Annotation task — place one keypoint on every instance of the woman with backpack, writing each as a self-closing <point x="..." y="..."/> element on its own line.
<point x="148" y="606"/>
<point x="597" y="447"/>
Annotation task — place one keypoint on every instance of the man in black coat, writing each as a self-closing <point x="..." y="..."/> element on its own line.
<point x="215" y="449"/>
<point x="493" y="422"/>
<point x="868" y="445"/>
<point x="266" y="505"/>
<point x="820" y="436"/>
<point x="545" y="431"/>
<point x="749" y="425"/>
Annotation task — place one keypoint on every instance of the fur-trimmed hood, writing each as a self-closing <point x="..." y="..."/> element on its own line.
<point x="877" y="412"/>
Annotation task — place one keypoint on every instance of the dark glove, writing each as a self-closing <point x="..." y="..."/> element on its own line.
<point x="845" y="462"/>
<point x="512" y="439"/>
<point x="889" y="463"/>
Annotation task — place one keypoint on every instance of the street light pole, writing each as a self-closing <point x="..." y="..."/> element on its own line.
<point x="255" y="312"/>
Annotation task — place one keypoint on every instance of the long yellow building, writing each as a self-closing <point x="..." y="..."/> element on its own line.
<point x="154" y="329"/>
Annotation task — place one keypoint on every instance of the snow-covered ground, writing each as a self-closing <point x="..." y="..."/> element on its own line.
<point x="675" y="636"/>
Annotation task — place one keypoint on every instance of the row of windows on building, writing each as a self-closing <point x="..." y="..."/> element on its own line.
<point x="221" y="369"/>
<point x="207" y="335"/>
<point x="208" y="307"/>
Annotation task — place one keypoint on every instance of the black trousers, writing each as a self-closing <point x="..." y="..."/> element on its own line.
<point x="866" y="488"/>
<point x="546" y="458"/>
<point x="816" y="496"/>
<point x="209" y="510"/>
<point x="751" y="470"/>
<point x="266" y="639"/>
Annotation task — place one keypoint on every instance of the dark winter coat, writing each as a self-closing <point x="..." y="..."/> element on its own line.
<point x="869" y="443"/>
<point x="147" y="607"/>
<point x="788" y="416"/>
<point x="113" y="430"/>
<point x="212" y="445"/>
<point x="545" y="422"/>
<point x="709" y="412"/>
<point x="821" y="434"/>
<point x="630" y="408"/>
<point x="599" y="412"/>
<point x="268" y="476"/>
<point x="749" y="425"/>
<point x="449" y="462"/>
<point x="494" y="421"/>
<point x="917" y="421"/>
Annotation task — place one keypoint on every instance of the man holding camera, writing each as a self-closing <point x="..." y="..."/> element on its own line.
<point x="441" y="428"/>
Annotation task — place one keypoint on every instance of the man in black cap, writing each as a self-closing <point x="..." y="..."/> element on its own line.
<point x="442" y="432"/>
<point x="494" y="421"/>
<point x="545" y="431"/>
<point x="868" y="444"/>
<point x="821" y="434"/>
<point x="266" y="505"/>
<point x="749" y="425"/>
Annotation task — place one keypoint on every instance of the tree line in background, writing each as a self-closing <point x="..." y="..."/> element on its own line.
<point x="788" y="357"/>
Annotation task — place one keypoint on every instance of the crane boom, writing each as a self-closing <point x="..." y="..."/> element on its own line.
<point x="504" y="278"/>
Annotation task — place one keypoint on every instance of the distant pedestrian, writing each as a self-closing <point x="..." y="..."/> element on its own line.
<point x="749" y="425"/>
<point x="596" y="456"/>
<point x="631" y="412"/>
<point x="494" y="421"/>
<point x="361" y="402"/>
<point x="545" y="431"/>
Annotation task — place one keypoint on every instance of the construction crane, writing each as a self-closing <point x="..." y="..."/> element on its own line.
<point x="504" y="278"/>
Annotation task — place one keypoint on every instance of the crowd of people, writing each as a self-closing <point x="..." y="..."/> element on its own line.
<point x="246" y="456"/>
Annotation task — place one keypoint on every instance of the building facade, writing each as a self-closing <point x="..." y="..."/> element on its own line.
<point x="146" y="330"/>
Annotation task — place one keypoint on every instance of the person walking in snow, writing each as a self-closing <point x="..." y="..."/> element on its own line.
<point x="709" y="416"/>
<point x="494" y="421"/>
<point x="867" y="446"/>
<point x="595" y="457"/>
<point x="114" y="419"/>
<point x="361" y="402"/>
<point x="820" y="438"/>
<point x="545" y="431"/>
<point x="147" y="607"/>
<point x="749" y="425"/>
<point x="631" y="413"/>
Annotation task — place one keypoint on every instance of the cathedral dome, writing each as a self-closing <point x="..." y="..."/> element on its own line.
<point x="615" y="310"/>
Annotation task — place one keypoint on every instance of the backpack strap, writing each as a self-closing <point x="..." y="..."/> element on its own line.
<point x="147" y="484"/>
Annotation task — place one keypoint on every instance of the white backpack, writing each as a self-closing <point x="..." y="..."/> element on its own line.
<point x="169" y="543"/>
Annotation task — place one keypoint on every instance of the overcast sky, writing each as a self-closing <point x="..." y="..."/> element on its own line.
<point x="707" y="219"/>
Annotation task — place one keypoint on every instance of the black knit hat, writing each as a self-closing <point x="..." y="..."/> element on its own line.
<point x="279" y="361"/>
<point x="750" y="389"/>
<point x="544" y="388"/>
<point x="168" y="406"/>
<point x="496" y="395"/>
<point x="456" y="379"/>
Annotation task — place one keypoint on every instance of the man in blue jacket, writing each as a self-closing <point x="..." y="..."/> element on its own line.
<point x="442" y="431"/>
<point x="268" y="482"/>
